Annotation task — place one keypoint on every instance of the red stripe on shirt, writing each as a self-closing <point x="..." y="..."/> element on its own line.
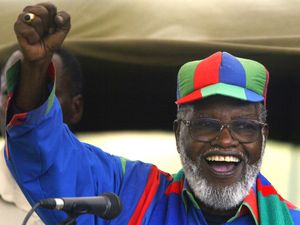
<point x="251" y="200"/>
<point x="175" y="187"/>
<point x="267" y="190"/>
<point x="17" y="119"/>
<point x="147" y="196"/>
<point x="51" y="72"/>
<point x="6" y="150"/>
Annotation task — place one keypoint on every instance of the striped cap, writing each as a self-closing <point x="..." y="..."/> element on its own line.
<point x="222" y="74"/>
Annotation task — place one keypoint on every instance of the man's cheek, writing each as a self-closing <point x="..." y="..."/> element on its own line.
<point x="254" y="153"/>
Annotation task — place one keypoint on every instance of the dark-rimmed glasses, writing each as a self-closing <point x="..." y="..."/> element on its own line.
<point x="208" y="129"/>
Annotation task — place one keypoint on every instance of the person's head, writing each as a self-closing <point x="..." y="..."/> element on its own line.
<point x="221" y="127"/>
<point x="69" y="85"/>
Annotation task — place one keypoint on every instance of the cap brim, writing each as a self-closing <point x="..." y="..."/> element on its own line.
<point x="222" y="89"/>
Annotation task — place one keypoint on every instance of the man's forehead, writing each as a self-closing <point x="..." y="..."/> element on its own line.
<point x="221" y="103"/>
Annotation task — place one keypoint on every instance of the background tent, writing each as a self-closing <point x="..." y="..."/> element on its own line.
<point x="131" y="51"/>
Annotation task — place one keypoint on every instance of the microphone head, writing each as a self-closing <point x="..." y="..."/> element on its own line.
<point x="115" y="207"/>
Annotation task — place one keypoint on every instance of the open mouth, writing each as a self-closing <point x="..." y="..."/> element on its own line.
<point x="223" y="165"/>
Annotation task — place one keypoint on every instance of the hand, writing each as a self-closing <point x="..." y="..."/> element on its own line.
<point x="40" y="30"/>
<point x="43" y="33"/>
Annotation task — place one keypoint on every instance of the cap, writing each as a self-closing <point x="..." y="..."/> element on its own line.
<point x="222" y="74"/>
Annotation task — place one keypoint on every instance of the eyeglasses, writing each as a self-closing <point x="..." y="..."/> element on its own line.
<point x="208" y="129"/>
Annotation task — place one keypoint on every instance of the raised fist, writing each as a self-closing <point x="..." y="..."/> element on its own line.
<point x="40" y="29"/>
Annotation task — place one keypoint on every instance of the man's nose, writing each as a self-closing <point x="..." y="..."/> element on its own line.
<point x="225" y="138"/>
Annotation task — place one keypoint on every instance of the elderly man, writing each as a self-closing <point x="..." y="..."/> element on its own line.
<point x="13" y="205"/>
<point x="220" y="133"/>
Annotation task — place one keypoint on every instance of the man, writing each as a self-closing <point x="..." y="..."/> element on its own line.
<point x="13" y="205"/>
<point x="220" y="133"/>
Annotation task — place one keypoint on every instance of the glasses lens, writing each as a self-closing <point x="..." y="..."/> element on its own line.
<point x="245" y="130"/>
<point x="204" y="129"/>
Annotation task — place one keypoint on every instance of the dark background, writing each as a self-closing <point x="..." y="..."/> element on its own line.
<point x="129" y="96"/>
<point x="139" y="92"/>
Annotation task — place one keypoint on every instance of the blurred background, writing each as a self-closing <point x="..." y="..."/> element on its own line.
<point x="130" y="52"/>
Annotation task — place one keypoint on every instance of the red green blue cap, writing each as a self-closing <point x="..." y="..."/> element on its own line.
<point x="222" y="74"/>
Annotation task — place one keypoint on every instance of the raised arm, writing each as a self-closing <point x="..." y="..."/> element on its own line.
<point x="46" y="159"/>
<point x="40" y="30"/>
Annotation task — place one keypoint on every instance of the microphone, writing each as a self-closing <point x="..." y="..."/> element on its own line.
<point x="106" y="206"/>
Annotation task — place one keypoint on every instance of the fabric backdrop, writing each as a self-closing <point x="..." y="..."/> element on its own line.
<point x="131" y="51"/>
<point x="170" y="31"/>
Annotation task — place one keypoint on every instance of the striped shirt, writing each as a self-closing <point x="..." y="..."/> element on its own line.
<point x="48" y="161"/>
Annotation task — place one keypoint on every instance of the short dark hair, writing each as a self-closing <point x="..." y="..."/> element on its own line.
<point x="72" y="68"/>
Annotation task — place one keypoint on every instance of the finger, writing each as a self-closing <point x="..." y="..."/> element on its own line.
<point x="35" y="23"/>
<point x="25" y="31"/>
<point x="41" y="19"/>
<point x="63" y="25"/>
<point x="52" y="10"/>
<point x="50" y="7"/>
<point x="63" y="21"/>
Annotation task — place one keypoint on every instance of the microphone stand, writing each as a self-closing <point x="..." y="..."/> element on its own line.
<point x="71" y="220"/>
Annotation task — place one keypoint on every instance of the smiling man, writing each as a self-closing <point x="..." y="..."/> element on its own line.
<point x="220" y="134"/>
<point x="221" y="130"/>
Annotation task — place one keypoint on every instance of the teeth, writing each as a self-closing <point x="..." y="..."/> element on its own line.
<point x="218" y="158"/>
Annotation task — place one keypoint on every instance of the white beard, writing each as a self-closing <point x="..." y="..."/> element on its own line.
<point x="220" y="198"/>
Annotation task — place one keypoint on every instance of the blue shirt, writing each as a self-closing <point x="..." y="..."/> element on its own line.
<point x="48" y="161"/>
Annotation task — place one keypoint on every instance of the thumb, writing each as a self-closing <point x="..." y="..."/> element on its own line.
<point x="63" y="26"/>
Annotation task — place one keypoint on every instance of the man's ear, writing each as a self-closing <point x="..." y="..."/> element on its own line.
<point x="176" y="129"/>
<point x="77" y="109"/>
<point x="266" y="132"/>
